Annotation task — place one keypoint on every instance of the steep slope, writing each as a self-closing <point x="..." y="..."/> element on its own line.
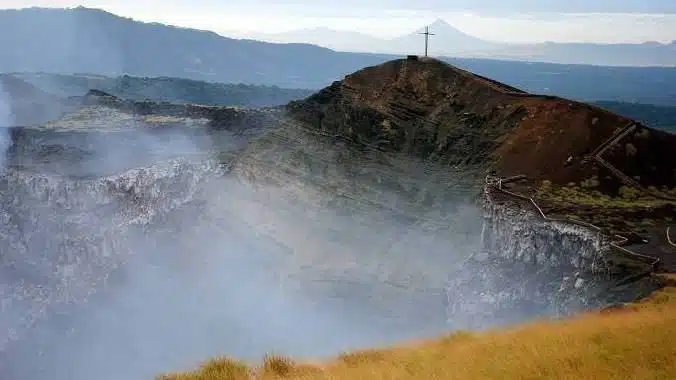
<point x="435" y="110"/>
<point x="139" y="202"/>
<point x="577" y="159"/>
<point x="579" y="162"/>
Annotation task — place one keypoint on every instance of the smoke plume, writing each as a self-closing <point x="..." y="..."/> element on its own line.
<point x="184" y="261"/>
<point x="6" y="121"/>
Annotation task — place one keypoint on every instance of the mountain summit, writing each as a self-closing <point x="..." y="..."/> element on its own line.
<point x="446" y="39"/>
<point x="572" y="158"/>
<point x="435" y="110"/>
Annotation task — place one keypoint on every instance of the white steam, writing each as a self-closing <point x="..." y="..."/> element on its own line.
<point x="6" y="120"/>
<point x="242" y="270"/>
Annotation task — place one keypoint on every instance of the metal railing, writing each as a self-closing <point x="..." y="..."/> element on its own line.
<point x="616" y="244"/>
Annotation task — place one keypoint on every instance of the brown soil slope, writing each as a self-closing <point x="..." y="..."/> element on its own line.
<point x="581" y="162"/>
<point x="429" y="108"/>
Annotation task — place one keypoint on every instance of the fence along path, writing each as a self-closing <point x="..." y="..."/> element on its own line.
<point x="596" y="155"/>
<point x="494" y="183"/>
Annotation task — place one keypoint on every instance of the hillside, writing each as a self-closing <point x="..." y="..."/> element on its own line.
<point x="583" y="165"/>
<point x="35" y="98"/>
<point x="580" y="161"/>
<point x="435" y="110"/>
<point x="84" y="40"/>
<point x="164" y="89"/>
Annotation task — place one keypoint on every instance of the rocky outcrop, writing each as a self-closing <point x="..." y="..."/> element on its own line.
<point x="531" y="265"/>
<point x="535" y="266"/>
<point x="61" y="237"/>
<point x="416" y="107"/>
<point x="436" y="111"/>
<point x="79" y="196"/>
<point x="219" y="117"/>
<point x="517" y="233"/>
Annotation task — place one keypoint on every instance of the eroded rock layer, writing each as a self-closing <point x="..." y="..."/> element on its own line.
<point x="61" y="237"/>
<point x="531" y="265"/>
<point x="430" y="109"/>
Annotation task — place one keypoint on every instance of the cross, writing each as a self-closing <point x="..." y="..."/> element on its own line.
<point x="427" y="37"/>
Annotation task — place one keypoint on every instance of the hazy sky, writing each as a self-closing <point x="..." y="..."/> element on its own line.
<point x="500" y="20"/>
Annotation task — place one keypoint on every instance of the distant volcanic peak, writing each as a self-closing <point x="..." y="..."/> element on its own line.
<point x="439" y="26"/>
<point x="441" y="23"/>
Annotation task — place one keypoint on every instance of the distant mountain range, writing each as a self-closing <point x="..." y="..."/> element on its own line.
<point x="662" y="117"/>
<point x="34" y="98"/>
<point x="450" y="41"/>
<point x="447" y="40"/>
<point x="162" y="89"/>
<point x="83" y="40"/>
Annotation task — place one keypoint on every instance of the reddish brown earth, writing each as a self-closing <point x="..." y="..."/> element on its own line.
<point x="430" y="108"/>
<point x="433" y="110"/>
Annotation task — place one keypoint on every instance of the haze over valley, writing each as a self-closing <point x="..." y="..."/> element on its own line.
<point x="170" y="194"/>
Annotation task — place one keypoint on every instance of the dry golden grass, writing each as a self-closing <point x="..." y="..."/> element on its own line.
<point x="634" y="342"/>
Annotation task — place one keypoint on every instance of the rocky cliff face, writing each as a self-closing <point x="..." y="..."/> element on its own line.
<point x="415" y="107"/>
<point x="307" y="216"/>
<point x="532" y="266"/>
<point x="436" y="111"/>
<point x="439" y="113"/>
<point x="518" y="233"/>
<point x="79" y="195"/>
<point x="61" y="237"/>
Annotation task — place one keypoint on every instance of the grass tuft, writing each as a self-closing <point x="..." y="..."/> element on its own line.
<point x="223" y="368"/>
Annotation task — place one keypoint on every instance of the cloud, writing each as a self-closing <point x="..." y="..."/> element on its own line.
<point x="508" y="21"/>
